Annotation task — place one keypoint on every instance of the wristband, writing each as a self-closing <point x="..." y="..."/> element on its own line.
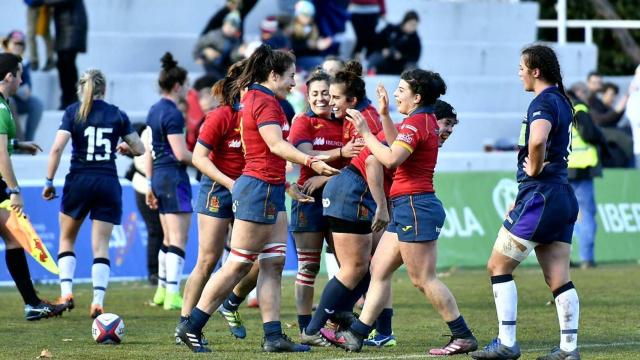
<point x="149" y="183"/>
<point x="310" y="160"/>
<point x="48" y="182"/>
<point x="14" y="144"/>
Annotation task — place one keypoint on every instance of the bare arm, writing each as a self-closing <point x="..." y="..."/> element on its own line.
<point x="179" y="147"/>
<point x="6" y="168"/>
<point x="60" y="142"/>
<point x="135" y="144"/>
<point x="272" y="135"/>
<point x="538" y="134"/>
<point x="375" y="181"/>
<point x="201" y="162"/>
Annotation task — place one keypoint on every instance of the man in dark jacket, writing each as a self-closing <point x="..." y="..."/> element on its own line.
<point x="583" y="166"/>
<point x="71" y="24"/>
<point x="399" y="47"/>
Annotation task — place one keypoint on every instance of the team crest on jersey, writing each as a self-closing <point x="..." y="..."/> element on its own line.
<point x="302" y="219"/>
<point x="270" y="211"/>
<point x="214" y="204"/>
<point x="363" y="213"/>
<point x="235" y="144"/>
<point x="317" y="126"/>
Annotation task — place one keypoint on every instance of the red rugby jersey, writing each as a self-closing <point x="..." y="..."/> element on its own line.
<point x="359" y="163"/>
<point x="323" y="134"/>
<point x="259" y="108"/>
<point x="220" y="133"/>
<point x="373" y="120"/>
<point x="419" y="134"/>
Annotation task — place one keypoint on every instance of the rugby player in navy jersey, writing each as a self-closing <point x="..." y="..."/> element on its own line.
<point x="544" y="213"/>
<point x="92" y="186"/>
<point x="417" y="214"/>
<point x="170" y="189"/>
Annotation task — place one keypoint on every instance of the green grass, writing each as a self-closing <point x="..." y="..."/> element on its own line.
<point x="609" y="321"/>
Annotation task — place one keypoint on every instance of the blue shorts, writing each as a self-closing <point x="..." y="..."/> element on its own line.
<point x="96" y="194"/>
<point x="214" y="199"/>
<point x="256" y="200"/>
<point x="307" y="217"/>
<point x="543" y="213"/>
<point x="346" y="196"/>
<point x="417" y="218"/>
<point x="172" y="189"/>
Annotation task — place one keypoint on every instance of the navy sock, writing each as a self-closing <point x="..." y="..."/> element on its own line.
<point x="361" y="329"/>
<point x="272" y="330"/>
<point x="333" y="294"/>
<point x="356" y="294"/>
<point x="383" y="323"/>
<point x="198" y="319"/>
<point x="183" y="318"/>
<point x="459" y="328"/>
<point x="303" y="321"/>
<point x="232" y="302"/>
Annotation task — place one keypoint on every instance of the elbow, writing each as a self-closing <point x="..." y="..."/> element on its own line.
<point x="391" y="164"/>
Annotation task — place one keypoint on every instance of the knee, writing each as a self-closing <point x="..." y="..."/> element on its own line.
<point x="307" y="273"/>
<point x="205" y="266"/>
<point x="421" y="281"/>
<point x="495" y="268"/>
<point x="273" y="264"/>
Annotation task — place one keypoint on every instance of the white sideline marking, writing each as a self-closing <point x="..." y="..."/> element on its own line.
<point x="414" y="356"/>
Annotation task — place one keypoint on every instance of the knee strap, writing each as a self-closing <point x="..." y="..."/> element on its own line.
<point x="271" y="250"/>
<point x="243" y="256"/>
<point x="308" y="266"/>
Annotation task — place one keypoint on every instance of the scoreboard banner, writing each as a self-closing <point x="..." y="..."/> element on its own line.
<point x="475" y="204"/>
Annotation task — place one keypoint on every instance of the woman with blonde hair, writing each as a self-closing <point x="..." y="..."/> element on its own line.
<point x="92" y="186"/>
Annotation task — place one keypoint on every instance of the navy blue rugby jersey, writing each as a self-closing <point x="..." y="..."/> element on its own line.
<point x="553" y="106"/>
<point x="94" y="141"/>
<point x="164" y="119"/>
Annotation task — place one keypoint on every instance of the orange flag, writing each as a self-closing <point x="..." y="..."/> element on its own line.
<point x="21" y="228"/>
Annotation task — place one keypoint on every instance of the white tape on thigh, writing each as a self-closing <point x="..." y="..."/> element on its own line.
<point x="271" y="250"/>
<point x="512" y="246"/>
<point x="308" y="266"/>
<point x="244" y="256"/>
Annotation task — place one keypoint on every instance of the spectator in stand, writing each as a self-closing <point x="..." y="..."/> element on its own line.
<point x="619" y="143"/>
<point x="218" y="49"/>
<point x="272" y="32"/>
<point x="400" y="47"/>
<point x="24" y="101"/>
<point x="243" y="7"/>
<point x="70" y="20"/>
<point x="38" y="17"/>
<point x="331" y="19"/>
<point x="305" y="39"/>
<point x="610" y="93"/>
<point x="584" y="166"/>
<point x="364" y="18"/>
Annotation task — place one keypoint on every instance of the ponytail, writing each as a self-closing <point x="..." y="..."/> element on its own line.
<point x="224" y="89"/>
<point x="259" y="65"/>
<point x="91" y="84"/>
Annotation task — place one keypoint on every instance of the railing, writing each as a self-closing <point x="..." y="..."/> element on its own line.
<point x="588" y="25"/>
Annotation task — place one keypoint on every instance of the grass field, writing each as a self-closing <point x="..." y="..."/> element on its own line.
<point x="609" y="321"/>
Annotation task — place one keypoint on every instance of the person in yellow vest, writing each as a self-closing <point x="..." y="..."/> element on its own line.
<point x="583" y="166"/>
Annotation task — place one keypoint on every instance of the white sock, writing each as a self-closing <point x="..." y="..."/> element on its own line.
<point x="100" y="277"/>
<point x="506" y="297"/>
<point x="568" y="307"/>
<point x="175" y="264"/>
<point x="67" y="267"/>
<point x="331" y="265"/>
<point x="162" y="268"/>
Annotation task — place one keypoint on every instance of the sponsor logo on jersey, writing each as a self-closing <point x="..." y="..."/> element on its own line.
<point x="438" y="229"/>
<point x="319" y="141"/>
<point x="407" y="138"/>
<point x="286" y="127"/>
<point x="537" y="113"/>
<point x="410" y="127"/>
<point x="235" y="144"/>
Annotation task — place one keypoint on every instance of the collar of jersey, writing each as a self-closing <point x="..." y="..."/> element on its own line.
<point x="422" y="110"/>
<point x="264" y="89"/>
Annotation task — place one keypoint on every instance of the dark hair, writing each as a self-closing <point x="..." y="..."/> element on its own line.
<point x="612" y="86"/>
<point x="428" y="84"/>
<point x="171" y="73"/>
<point x="351" y="77"/>
<point x="318" y="75"/>
<point x="444" y="110"/>
<point x="593" y="73"/>
<point x="410" y="15"/>
<point x="543" y="58"/>
<point x="259" y="65"/>
<point x="9" y="63"/>
<point x="224" y="90"/>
